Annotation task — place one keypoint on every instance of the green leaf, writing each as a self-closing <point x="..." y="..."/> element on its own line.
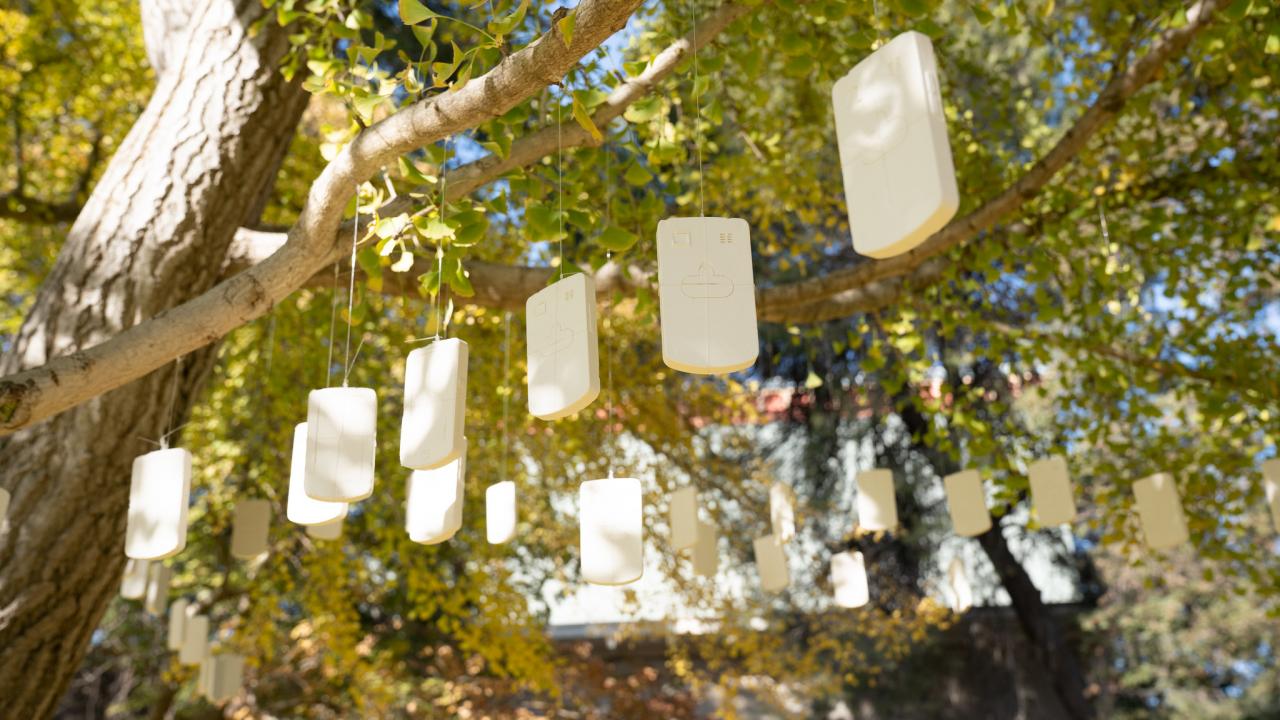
<point x="424" y="33"/>
<point x="433" y="228"/>
<point x="617" y="239"/>
<point x="509" y="22"/>
<point x="584" y="118"/>
<point x="472" y="225"/>
<point x="413" y="12"/>
<point x="636" y="175"/>
<point x="643" y="110"/>
<point x="565" y="26"/>
<point x="389" y="227"/>
<point x="365" y="105"/>
<point x="542" y="222"/>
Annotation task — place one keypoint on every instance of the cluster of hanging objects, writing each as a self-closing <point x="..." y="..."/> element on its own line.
<point x="900" y="188"/>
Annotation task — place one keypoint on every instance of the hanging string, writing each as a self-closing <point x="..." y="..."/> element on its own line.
<point x="444" y="180"/>
<point x="333" y="320"/>
<point x="351" y="290"/>
<point x="608" y="313"/>
<point x="506" y="394"/>
<point x="880" y="29"/>
<point x="560" y="186"/>
<point x="173" y="400"/>
<point x="697" y="111"/>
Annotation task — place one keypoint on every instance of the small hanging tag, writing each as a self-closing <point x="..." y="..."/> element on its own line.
<point x="706" y="554"/>
<point x="967" y="502"/>
<point x="899" y="179"/>
<point x="249" y="530"/>
<point x="1160" y="511"/>
<point x="877" y="505"/>
<point x="684" y="518"/>
<point x="611" y="531"/>
<point x="301" y="508"/>
<point x="158" y="500"/>
<point x="179" y="612"/>
<point x="326" y="531"/>
<point x="341" y="443"/>
<point x="133" y="585"/>
<point x="771" y="562"/>
<point x="849" y="579"/>
<point x="1051" y="492"/>
<point x="782" y="514"/>
<point x="195" y="640"/>
<point x="157" y="596"/>
<point x="707" y="295"/>
<point x="1271" y="489"/>
<point x="563" y="357"/>
<point x="435" y="404"/>
<point x="434" y="499"/>
<point x="500" y="512"/>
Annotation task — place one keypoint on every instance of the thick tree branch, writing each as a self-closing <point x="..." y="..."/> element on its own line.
<point x="31" y="395"/>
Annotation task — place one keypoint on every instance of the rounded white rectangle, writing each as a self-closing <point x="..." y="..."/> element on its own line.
<point x="341" y="443"/>
<point x="1271" y="489"/>
<point x="611" y="530"/>
<point x="195" y="640"/>
<point x="158" y="495"/>
<point x="684" y="518"/>
<point x="157" y="597"/>
<point x="877" y="504"/>
<point x="4" y="505"/>
<point x="500" y="512"/>
<point x="434" y="499"/>
<point x="133" y="584"/>
<point x="435" y="404"/>
<point x="562" y="354"/>
<point x="899" y="179"/>
<point x="967" y="502"/>
<point x="782" y="513"/>
<point x="204" y="675"/>
<point x="326" y="531"/>
<point x="1051" y="492"/>
<point x="707" y="295"/>
<point x="250" y="526"/>
<point x="849" y="580"/>
<point x="959" y="585"/>
<point x="227" y="677"/>
<point x="179" y="611"/>
<point x="301" y="508"/>
<point x="706" y="554"/>
<point x="771" y="563"/>
<point x="1160" y="511"/>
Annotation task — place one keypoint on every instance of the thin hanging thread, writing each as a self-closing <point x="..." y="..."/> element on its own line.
<point x="560" y="187"/>
<point x="351" y="290"/>
<point x="506" y="393"/>
<point x="444" y="179"/>
<point x="697" y="110"/>
<point x="333" y="320"/>
<point x="173" y="400"/>
<point x="1131" y="391"/>
<point x="608" y="350"/>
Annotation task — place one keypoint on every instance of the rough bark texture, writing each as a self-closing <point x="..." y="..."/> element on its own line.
<point x="199" y="162"/>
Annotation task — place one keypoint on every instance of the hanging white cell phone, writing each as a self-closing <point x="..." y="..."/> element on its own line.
<point x="435" y="404"/>
<point x="562" y="354"/>
<point x="158" y="504"/>
<point x="611" y="522"/>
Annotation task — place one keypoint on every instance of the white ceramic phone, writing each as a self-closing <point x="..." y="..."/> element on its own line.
<point x="564" y="366"/>
<point x="341" y="442"/>
<point x="611" y="522"/>
<point x="158" y="503"/>
<point x="435" y="404"/>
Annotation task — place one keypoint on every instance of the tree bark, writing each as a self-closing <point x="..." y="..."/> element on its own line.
<point x="199" y="162"/>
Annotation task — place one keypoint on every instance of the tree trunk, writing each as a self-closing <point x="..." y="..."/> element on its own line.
<point x="199" y="162"/>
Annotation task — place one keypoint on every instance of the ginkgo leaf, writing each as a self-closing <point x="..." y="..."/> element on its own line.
<point x="617" y="239"/>
<point x="404" y="263"/>
<point x="584" y="119"/>
<point x="565" y="26"/>
<point x="510" y="21"/>
<point x="413" y="12"/>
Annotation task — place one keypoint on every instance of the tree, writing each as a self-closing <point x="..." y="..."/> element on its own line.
<point x="184" y="194"/>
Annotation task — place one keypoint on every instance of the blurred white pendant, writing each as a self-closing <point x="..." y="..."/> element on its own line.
<point x="899" y="179"/>
<point x="204" y="675"/>
<point x="341" y="442"/>
<point x="1051" y="492"/>
<point x="958" y="582"/>
<point x="782" y="513"/>
<point x="179" y="612"/>
<point x="684" y="518"/>
<point x="433" y="508"/>
<point x="849" y="578"/>
<point x="1160" y="510"/>
<point x="611" y="531"/>
<point x="967" y="502"/>
<point x="249" y="529"/>
<point x="195" y="640"/>
<point x="706" y="555"/>
<point x="564" y="367"/>
<point x="706" y="295"/>
<point x="4" y="505"/>
<point x="133" y="584"/>
<point x="877" y="505"/>
<point x="227" y="678"/>
<point x="500" y="512"/>
<point x="435" y="404"/>
<point x="301" y="508"/>
<point x="771" y="562"/>
<point x="157" y="597"/>
<point x="1271" y="489"/>
<point x="326" y="531"/>
<point x="158" y="496"/>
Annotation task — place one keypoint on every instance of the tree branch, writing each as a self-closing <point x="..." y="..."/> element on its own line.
<point x="31" y="395"/>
